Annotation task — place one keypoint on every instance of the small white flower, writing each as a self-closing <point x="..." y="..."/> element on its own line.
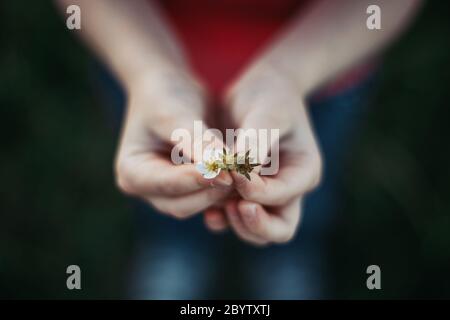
<point x="209" y="167"/>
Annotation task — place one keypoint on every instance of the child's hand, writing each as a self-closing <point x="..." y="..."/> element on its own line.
<point x="269" y="206"/>
<point x="157" y="105"/>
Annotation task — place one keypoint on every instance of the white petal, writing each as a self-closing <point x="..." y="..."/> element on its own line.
<point x="200" y="166"/>
<point x="211" y="174"/>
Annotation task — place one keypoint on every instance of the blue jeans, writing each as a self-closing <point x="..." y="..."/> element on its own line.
<point x="182" y="260"/>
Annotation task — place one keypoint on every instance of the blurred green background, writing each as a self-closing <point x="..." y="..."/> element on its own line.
<point x="59" y="205"/>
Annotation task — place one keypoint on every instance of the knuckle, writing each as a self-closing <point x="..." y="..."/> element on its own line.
<point x="123" y="178"/>
<point x="316" y="173"/>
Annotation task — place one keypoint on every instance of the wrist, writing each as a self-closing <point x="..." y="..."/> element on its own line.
<point x="162" y="80"/>
<point x="161" y="88"/>
<point x="148" y="77"/>
<point x="302" y="85"/>
<point x="266" y="76"/>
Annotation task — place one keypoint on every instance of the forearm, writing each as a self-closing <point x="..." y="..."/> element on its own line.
<point x="333" y="36"/>
<point x="130" y="36"/>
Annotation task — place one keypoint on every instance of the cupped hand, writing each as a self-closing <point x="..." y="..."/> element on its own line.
<point x="268" y="208"/>
<point x="157" y="105"/>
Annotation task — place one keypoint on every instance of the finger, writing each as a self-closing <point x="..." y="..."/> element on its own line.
<point x="183" y="207"/>
<point x="238" y="226"/>
<point x="150" y="174"/>
<point x="141" y="171"/>
<point x="215" y="220"/>
<point x="277" y="227"/>
<point x="176" y="128"/>
<point x="299" y="174"/>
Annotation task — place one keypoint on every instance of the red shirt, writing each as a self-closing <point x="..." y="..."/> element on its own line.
<point x="222" y="36"/>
